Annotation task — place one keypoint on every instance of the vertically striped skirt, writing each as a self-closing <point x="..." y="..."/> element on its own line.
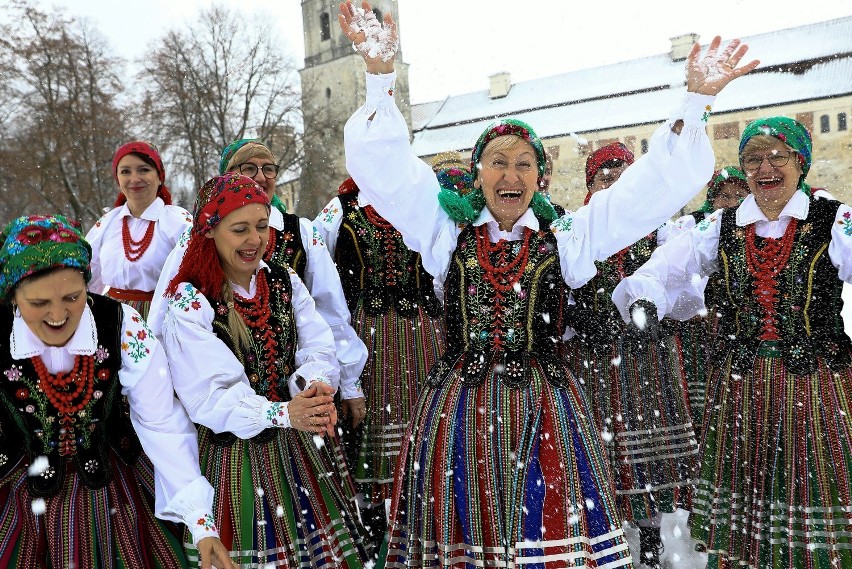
<point x="493" y="476"/>
<point x="288" y="502"/>
<point x="112" y="527"/>
<point x="775" y="488"/>
<point x="401" y="353"/>
<point x="640" y="406"/>
<point x="690" y="343"/>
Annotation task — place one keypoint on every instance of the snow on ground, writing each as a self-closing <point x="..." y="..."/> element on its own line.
<point x="679" y="550"/>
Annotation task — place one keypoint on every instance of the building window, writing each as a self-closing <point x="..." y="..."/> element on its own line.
<point x="325" y="27"/>
<point x="807" y="120"/>
<point x="841" y="121"/>
<point x="726" y="130"/>
<point x="328" y="92"/>
<point x="553" y="152"/>
<point x="643" y="144"/>
<point x="378" y="14"/>
<point x="823" y="124"/>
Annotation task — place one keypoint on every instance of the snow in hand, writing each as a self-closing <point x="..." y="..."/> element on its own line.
<point x="380" y="40"/>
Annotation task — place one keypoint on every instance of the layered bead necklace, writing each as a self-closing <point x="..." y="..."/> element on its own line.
<point x="68" y="393"/>
<point x="133" y="250"/>
<point x="765" y="264"/>
<point x="256" y="314"/>
<point x="503" y="275"/>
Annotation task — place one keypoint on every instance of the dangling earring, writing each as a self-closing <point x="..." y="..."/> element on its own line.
<point x="90" y="301"/>
<point x="16" y="311"/>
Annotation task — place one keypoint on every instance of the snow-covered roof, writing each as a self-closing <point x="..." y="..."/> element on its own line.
<point x="645" y="90"/>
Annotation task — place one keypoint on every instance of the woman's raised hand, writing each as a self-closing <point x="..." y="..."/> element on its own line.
<point x="709" y="74"/>
<point x="377" y="42"/>
<point x="313" y="409"/>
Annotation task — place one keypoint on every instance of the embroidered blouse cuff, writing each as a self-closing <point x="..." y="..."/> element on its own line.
<point x="276" y="414"/>
<point x="380" y="89"/>
<point x="697" y="108"/>
<point x="350" y="388"/>
<point x="201" y="524"/>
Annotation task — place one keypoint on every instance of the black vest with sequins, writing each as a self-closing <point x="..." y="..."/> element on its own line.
<point x="808" y="310"/>
<point x="377" y="269"/>
<point x="30" y="425"/>
<point x="288" y="248"/>
<point x="504" y="331"/>
<point x="594" y="316"/>
<point x="256" y="360"/>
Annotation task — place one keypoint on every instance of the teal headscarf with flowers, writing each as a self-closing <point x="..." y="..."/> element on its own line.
<point x="790" y="132"/>
<point x="228" y="153"/>
<point x="466" y="208"/>
<point x="35" y="243"/>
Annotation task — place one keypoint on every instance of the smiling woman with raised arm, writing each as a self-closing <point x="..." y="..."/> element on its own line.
<point x="775" y="488"/>
<point x="254" y="366"/>
<point x="84" y="382"/>
<point x="502" y="465"/>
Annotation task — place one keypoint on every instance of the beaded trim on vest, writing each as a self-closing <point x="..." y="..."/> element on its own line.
<point x="282" y="321"/>
<point x="377" y="268"/>
<point x="285" y="247"/>
<point x="32" y="426"/>
<point x="505" y="303"/>
<point x="806" y="315"/>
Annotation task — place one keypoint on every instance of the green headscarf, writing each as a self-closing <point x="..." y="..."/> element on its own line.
<point x="727" y="174"/>
<point x="466" y="208"/>
<point x="790" y="132"/>
<point x="228" y="153"/>
<point x="35" y="243"/>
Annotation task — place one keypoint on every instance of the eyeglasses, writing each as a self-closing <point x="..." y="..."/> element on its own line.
<point x="752" y="162"/>
<point x="249" y="169"/>
<point x="523" y="166"/>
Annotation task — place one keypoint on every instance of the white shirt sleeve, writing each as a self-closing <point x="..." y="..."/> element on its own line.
<point x="167" y="435"/>
<point x="673" y="277"/>
<point x="328" y="222"/>
<point x="159" y="303"/>
<point x="323" y="282"/>
<point x="401" y="186"/>
<point x="315" y="357"/>
<point x="208" y="378"/>
<point x="840" y="248"/>
<point x="95" y="238"/>
<point x="651" y="190"/>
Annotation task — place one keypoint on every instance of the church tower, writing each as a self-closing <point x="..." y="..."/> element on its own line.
<point x="332" y="89"/>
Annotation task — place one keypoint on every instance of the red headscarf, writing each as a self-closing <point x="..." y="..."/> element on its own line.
<point x="147" y="150"/>
<point x="614" y="151"/>
<point x="200" y="265"/>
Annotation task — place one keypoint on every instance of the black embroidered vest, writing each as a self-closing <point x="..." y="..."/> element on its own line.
<point x="286" y="247"/>
<point x="31" y="426"/>
<point x="256" y="361"/>
<point x="594" y="317"/>
<point x="494" y="326"/>
<point x="809" y="303"/>
<point x="375" y="266"/>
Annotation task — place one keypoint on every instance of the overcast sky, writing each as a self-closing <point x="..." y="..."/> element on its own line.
<point x="452" y="46"/>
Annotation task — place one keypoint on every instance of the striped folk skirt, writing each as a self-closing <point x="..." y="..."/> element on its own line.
<point x="690" y="344"/>
<point x="287" y="502"/>
<point x="775" y="488"/>
<point x="494" y="476"/>
<point x="112" y="527"/>
<point x="640" y="406"/>
<point x="401" y="353"/>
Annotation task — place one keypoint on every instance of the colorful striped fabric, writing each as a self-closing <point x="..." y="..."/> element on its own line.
<point x="640" y="407"/>
<point x="287" y="502"/>
<point x="110" y="527"/>
<point x="775" y="488"/>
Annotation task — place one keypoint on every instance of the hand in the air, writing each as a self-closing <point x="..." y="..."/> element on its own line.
<point x="709" y="74"/>
<point x="377" y="42"/>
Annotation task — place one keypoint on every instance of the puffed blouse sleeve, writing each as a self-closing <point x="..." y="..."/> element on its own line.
<point x="315" y="350"/>
<point x="840" y="247"/>
<point x="95" y="238"/>
<point x="208" y="378"/>
<point x="673" y="278"/>
<point x="323" y="283"/>
<point x="167" y="435"/>
<point x="647" y="194"/>
<point x="399" y="185"/>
